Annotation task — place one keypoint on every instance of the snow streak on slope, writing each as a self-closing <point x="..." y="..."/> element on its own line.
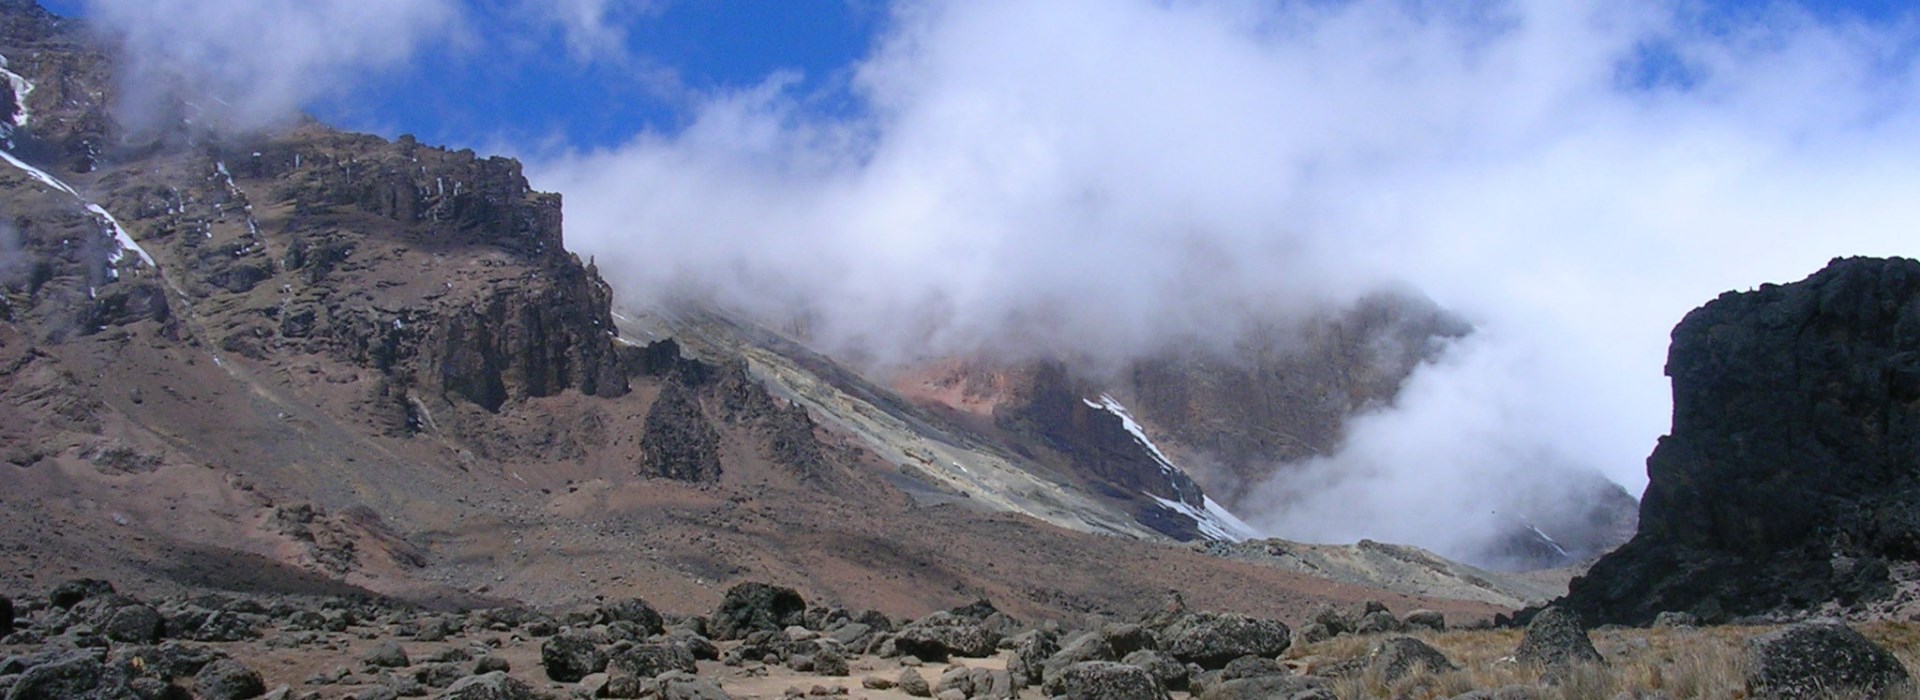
<point x="21" y="88"/>
<point x="1212" y="519"/>
<point x="120" y="236"/>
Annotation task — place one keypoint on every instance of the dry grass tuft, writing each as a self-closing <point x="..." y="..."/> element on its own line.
<point x="1709" y="662"/>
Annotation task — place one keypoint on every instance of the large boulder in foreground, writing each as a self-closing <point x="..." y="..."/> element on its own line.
<point x="1556" y="637"/>
<point x="756" y="607"/>
<point x="1212" y="640"/>
<point x="1792" y="474"/>
<point x="1816" y="658"/>
<point x="1106" y="680"/>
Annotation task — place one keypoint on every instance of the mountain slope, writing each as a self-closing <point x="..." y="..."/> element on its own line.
<point x="312" y="360"/>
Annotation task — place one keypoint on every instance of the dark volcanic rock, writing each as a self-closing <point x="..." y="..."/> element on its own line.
<point x="636" y="611"/>
<point x="69" y="594"/>
<point x="570" y="656"/>
<point x="1792" y="474"/>
<point x="1555" y="639"/>
<point x="137" y="623"/>
<point x="1106" y="680"/>
<point x="75" y="675"/>
<point x="489" y="686"/>
<point x="1212" y="640"/>
<point x="752" y="606"/>
<point x="1171" y="673"/>
<point x="943" y="634"/>
<point x="1394" y="658"/>
<point x="1815" y="658"/>
<point x="649" y="660"/>
<point x="1030" y="654"/>
<point x="1270" y="688"/>
<point x="226" y="679"/>
<point x="679" y="442"/>
<point x="6" y="616"/>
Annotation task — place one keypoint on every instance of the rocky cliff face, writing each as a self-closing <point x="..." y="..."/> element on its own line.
<point x="1791" y="479"/>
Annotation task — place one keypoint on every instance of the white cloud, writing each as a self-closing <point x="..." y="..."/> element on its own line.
<point x="253" y="63"/>
<point x="594" y="29"/>
<point x="1098" y="177"/>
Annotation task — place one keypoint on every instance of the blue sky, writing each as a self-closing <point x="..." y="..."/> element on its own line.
<point x="515" y="84"/>
<point x="519" y="84"/>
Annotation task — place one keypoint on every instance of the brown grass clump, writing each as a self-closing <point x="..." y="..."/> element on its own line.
<point x="1708" y="662"/>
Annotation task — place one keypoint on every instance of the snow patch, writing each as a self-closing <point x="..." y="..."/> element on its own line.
<point x="1108" y="404"/>
<point x="120" y="235"/>
<point x="1212" y="519"/>
<point x="21" y="89"/>
<point x="1549" y="540"/>
<point x="1208" y="520"/>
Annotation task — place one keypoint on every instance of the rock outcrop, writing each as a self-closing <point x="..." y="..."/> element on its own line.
<point x="1791" y="478"/>
<point x="1817" y="658"/>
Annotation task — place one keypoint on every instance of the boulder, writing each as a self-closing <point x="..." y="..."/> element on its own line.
<point x="679" y="686"/>
<point x="1336" y="622"/>
<point x="1315" y="633"/>
<point x="1555" y="639"/>
<point x="1270" y="688"/>
<point x="1508" y="692"/>
<point x="387" y="655"/>
<point x="828" y="662"/>
<point x="750" y="607"/>
<point x="1171" y="673"/>
<point x="70" y="593"/>
<point x="489" y="686"/>
<point x="77" y="674"/>
<point x="488" y="664"/>
<point x="1030" y="653"/>
<point x="1128" y="638"/>
<point x="1106" y="680"/>
<point x="1211" y="640"/>
<point x="944" y="634"/>
<point x="637" y="612"/>
<point x="650" y="660"/>
<point x="1251" y="667"/>
<point x="440" y="674"/>
<point x="1395" y="658"/>
<point x="570" y="656"/>
<point x="227" y="679"/>
<point x="137" y="623"/>
<point x="1791" y="474"/>
<point x="958" y="679"/>
<point x="223" y="626"/>
<point x="1088" y="646"/>
<point x="1379" y="622"/>
<point x="6" y="616"/>
<point x="914" y="684"/>
<point x="1425" y="619"/>
<point x="1816" y="658"/>
<point x="1675" y="618"/>
<point x="169" y="661"/>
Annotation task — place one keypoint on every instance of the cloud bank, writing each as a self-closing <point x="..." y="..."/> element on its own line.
<point x="1097" y="178"/>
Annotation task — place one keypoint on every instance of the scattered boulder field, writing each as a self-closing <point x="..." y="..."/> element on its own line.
<point x="84" y="639"/>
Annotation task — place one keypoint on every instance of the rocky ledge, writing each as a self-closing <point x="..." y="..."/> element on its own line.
<point x="1791" y="480"/>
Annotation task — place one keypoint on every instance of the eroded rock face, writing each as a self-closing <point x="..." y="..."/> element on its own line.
<point x="1792" y="474"/>
<point x="679" y="442"/>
